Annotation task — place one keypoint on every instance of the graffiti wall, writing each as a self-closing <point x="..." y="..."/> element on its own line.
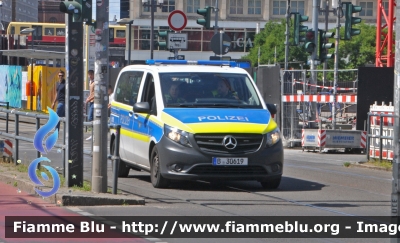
<point x="10" y="85"/>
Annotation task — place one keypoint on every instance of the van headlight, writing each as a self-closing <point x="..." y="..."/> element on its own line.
<point x="177" y="135"/>
<point x="273" y="137"/>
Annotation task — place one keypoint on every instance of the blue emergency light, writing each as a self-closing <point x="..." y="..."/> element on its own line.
<point x="200" y="62"/>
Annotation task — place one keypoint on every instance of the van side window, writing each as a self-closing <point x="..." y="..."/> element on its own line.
<point x="128" y="87"/>
<point x="149" y="94"/>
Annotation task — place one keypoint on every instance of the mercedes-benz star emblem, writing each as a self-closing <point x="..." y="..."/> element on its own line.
<point x="229" y="142"/>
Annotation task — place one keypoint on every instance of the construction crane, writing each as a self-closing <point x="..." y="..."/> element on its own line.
<point x="384" y="56"/>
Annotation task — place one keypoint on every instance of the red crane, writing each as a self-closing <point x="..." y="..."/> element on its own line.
<point x="384" y="56"/>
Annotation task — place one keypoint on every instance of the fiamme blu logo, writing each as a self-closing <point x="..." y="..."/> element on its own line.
<point x="44" y="143"/>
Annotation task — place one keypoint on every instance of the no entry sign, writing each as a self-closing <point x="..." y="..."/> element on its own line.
<point x="177" y="20"/>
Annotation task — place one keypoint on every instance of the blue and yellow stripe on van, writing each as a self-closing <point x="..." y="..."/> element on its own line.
<point x="209" y="120"/>
<point x="144" y="127"/>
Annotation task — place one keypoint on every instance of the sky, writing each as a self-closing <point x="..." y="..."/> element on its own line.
<point x="114" y="9"/>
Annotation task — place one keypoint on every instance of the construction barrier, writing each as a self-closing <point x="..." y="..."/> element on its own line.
<point x="306" y="99"/>
<point x="343" y="139"/>
<point x="319" y="98"/>
<point x="381" y="131"/>
<point x="5" y="148"/>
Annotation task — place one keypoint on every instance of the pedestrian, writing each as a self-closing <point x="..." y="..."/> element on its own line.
<point x="110" y="98"/>
<point x="90" y="98"/>
<point x="38" y="95"/>
<point x="60" y="97"/>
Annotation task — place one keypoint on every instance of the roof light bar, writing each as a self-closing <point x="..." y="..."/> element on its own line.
<point x="200" y="62"/>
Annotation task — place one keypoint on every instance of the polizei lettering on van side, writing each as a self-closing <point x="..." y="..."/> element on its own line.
<point x="223" y="118"/>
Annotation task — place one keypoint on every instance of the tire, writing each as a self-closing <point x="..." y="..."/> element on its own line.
<point x="156" y="178"/>
<point x="271" y="183"/>
<point x="123" y="169"/>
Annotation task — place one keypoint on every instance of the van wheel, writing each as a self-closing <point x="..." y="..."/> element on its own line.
<point x="123" y="169"/>
<point x="156" y="178"/>
<point x="271" y="183"/>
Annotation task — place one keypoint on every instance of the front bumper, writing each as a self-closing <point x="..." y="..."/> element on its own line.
<point x="183" y="163"/>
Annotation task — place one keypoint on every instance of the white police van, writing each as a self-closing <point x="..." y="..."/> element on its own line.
<point x="191" y="120"/>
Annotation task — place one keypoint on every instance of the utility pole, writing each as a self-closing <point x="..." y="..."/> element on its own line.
<point x="100" y="121"/>
<point x="216" y="9"/>
<point x="287" y="35"/>
<point x="336" y="69"/>
<point x="326" y="11"/>
<point x="313" y="80"/>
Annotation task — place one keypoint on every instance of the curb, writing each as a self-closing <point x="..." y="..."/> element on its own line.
<point x="67" y="197"/>
<point x="371" y="167"/>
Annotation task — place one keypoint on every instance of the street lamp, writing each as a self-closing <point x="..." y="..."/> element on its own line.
<point x="27" y="31"/>
<point x="129" y="22"/>
<point x="152" y="4"/>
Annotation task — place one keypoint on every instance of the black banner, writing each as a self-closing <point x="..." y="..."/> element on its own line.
<point x="201" y="227"/>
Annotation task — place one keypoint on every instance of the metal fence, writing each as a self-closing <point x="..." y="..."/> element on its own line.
<point x="15" y="135"/>
<point x="304" y="102"/>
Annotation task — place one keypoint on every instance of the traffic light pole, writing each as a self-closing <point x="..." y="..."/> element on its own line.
<point x="73" y="102"/>
<point x="216" y="9"/>
<point x="313" y="80"/>
<point x="287" y="35"/>
<point x="326" y="29"/>
<point x="336" y="68"/>
<point x="100" y="116"/>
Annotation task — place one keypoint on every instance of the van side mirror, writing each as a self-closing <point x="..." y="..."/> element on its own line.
<point x="141" y="107"/>
<point x="272" y="108"/>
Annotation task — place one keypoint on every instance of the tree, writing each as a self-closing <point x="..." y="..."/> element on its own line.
<point x="271" y="37"/>
<point x="360" y="50"/>
<point x="354" y="53"/>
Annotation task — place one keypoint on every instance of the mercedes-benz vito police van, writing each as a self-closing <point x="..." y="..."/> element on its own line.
<point x="183" y="120"/>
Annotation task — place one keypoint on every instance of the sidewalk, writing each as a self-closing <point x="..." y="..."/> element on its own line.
<point x="14" y="202"/>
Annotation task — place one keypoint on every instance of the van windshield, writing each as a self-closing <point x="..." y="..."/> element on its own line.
<point x="208" y="90"/>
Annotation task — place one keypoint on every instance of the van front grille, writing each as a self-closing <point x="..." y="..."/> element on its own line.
<point x="214" y="143"/>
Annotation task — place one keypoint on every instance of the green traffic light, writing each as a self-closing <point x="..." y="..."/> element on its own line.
<point x="206" y="13"/>
<point x="350" y="20"/>
<point x="298" y="28"/>
<point x="324" y="45"/>
<point x="309" y="46"/>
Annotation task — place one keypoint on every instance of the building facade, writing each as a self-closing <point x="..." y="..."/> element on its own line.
<point x="49" y="12"/>
<point x="25" y="10"/>
<point x="237" y="18"/>
<point x="18" y="10"/>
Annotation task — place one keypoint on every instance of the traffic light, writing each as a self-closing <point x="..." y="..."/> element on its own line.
<point x="163" y="44"/>
<point x="206" y="12"/>
<point x="81" y="10"/>
<point x="87" y="12"/>
<point x="324" y="45"/>
<point x="74" y="8"/>
<point x="299" y="29"/>
<point x="350" y="21"/>
<point x="310" y="41"/>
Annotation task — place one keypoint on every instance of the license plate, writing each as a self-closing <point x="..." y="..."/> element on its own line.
<point x="229" y="161"/>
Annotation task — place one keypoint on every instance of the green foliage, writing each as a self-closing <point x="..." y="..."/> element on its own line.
<point x="354" y="53"/>
<point x="385" y="164"/>
<point x="360" y="50"/>
<point x="86" y="187"/>
<point x="271" y="37"/>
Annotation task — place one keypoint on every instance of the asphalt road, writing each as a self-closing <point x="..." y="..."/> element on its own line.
<point x="313" y="184"/>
